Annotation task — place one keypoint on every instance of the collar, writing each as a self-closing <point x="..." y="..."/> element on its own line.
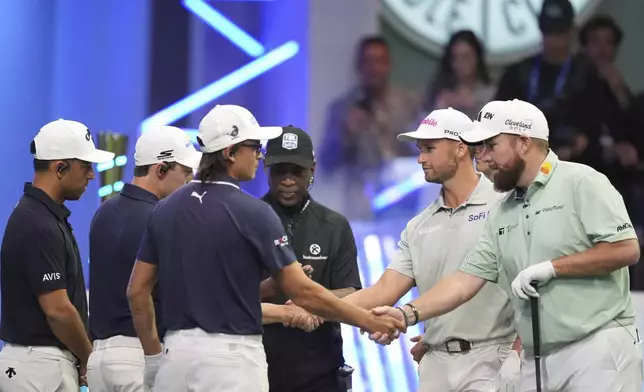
<point x="222" y="180"/>
<point x="59" y="210"/>
<point x="544" y="175"/>
<point x="477" y="197"/>
<point x="137" y="193"/>
<point x="288" y="211"/>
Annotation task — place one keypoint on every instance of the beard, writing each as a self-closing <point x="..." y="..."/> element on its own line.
<point x="506" y="179"/>
<point x="443" y="173"/>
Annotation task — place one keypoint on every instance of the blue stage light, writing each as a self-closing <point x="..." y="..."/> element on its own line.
<point x="395" y="193"/>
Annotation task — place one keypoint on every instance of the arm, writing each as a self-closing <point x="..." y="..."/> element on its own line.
<point x="397" y="279"/>
<point x="607" y="224"/>
<point x="65" y="323"/>
<point x="46" y="255"/>
<point x="447" y="295"/>
<point x="139" y="295"/>
<point x="272" y="314"/>
<point x="345" y="277"/>
<point x="267" y="289"/>
<point x="341" y="293"/>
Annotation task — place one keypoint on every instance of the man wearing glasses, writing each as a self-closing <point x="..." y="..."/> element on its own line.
<point x="44" y="305"/>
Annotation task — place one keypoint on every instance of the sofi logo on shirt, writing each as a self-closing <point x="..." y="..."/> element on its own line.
<point x="480" y="216"/>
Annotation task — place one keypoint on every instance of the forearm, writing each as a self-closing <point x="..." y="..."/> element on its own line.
<point x="69" y="329"/>
<point x="272" y="313"/>
<point x="142" y="309"/>
<point x="370" y="297"/>
<point x="601" y="259"/>
<point x="267" y="289"/>
<point x="341" y="293"/>
<point x="321" y="302"/>
<point x="447" y="295"/>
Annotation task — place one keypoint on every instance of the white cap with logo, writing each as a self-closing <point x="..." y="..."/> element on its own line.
<point x="166" y="144"/>
<point x="226" y="125"/>
<point x="66" y="139"/>
<point x="440" y="124"/>
<point x="514" y="117"/>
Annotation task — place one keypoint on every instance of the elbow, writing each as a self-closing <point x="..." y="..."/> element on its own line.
<point x="133" y="293"/>
<point x="632" y="253"/>
<point x="59" y="312"/>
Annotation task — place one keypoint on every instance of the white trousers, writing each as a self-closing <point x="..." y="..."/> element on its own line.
<point x="474" y="371"/>
<point x="37" y="369"/>
<point x="196" y="361"/>
<point x="116" y="365"/>
<point x="609" y="360"/>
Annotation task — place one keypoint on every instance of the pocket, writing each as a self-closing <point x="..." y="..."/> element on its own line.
<point x="32" y="374"/>
<point x="623" y="347"/>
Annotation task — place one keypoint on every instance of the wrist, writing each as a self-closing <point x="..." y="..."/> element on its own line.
<point x="553" y="269"/>
<point x="411" y="314"/>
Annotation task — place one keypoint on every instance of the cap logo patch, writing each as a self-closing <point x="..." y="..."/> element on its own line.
<point x="235" y="132"/>
<point x="429" y="121"/>
<point x="88" y="135"/>
<point x="289" y="141"/>
<point x="451" y="133"/>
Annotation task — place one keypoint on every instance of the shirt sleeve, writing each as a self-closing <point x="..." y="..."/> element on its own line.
<point x="147" y="248"/>
<point x="601" y="210"/>
<point x="344" y="267"/>
<point x="401" y="260"/>
<point x="269" y="240"/>
<point x="44" y="259"/>
<point x="482" y="260"/>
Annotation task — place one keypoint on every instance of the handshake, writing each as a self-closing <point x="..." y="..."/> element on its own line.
<point x="391" y="313"/>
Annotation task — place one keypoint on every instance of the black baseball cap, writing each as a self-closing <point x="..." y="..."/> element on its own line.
<point x="294" y="146"/>
<point x="557" y="16"/>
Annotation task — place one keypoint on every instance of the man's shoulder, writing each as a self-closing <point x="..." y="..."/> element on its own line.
<point x="328" y="215"/>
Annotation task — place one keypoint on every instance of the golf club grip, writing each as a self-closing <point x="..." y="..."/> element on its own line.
<point x="536" y="334"/>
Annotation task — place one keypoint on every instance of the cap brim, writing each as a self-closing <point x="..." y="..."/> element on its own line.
<point x="415" y="135"/>
<point x="304" y="162"/>
<point x="265" y="133"/>
<point x="477" y="136"/>
<point x="192" y="161"/>
<point x="97" y="156"/>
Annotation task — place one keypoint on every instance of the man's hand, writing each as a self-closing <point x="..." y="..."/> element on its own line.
<point x="385" y="338"/>
<point x="541" y="273"/>
<point x="302" y="319"/>
<point x="419" y="350"/>
<point x="152" y="363"/>
<point x="510" y="373"/>
<point x="82" y="374"/>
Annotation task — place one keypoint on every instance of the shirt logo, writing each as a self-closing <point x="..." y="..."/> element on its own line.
<point x="314" y="249"/>
<point x="198" y="196"/>
<point x="480" y="216"/>
<point x="281" y="242"/>
<point x="51" y="277"/>
<point x="289" y="141"/>
<point x="546" y="168"/>
<point x="507" y="229"/>
<point x="623" y="227"/>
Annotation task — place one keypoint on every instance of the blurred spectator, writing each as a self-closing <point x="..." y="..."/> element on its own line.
<point x="361" y="129"/>
<point x="462" y="81"/>
<point x="586" y="124"/>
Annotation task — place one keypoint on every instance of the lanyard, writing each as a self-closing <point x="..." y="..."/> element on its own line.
<point x="292" y="224"/>
<point x="533" y="89"/>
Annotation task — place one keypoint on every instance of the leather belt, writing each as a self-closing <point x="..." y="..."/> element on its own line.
<point x="456" y="346"/>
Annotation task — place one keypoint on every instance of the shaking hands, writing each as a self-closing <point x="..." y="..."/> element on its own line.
<point x="300" y="318"/>
<point x="385" y="337"/>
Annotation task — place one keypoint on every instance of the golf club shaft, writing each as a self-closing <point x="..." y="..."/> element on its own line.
<point x="536" y="336"/>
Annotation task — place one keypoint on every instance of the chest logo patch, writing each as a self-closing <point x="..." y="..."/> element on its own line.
<point x="315" y="249"/>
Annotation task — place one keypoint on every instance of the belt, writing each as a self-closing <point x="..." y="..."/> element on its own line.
<point x="46" y="350"/>
<point x="117" y="341"/>
<point x="454" y="346"/>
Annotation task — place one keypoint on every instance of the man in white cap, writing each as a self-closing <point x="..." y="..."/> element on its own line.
<point x="209" y="244"/>
<point x="564" y="226"/>
<point x="462" y="351"/>
<point x="44" y="304"/>
<point x="164" y="161"/>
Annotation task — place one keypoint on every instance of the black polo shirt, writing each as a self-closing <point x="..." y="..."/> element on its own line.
<point x="211" y="243"/>
<point x="323" y="239"/>
<point x="114" y="238"/>
<point x="39" y="254"/>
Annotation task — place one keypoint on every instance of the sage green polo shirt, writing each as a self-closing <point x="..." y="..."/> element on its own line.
<point x="567" y="209"/>
<point x="433" y="245"/>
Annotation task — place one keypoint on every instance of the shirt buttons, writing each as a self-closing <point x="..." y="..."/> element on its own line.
<point x="528" y="233"/>
<point x="527" y="216"/>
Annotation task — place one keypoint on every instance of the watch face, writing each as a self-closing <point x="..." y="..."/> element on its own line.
<point x="508" y="28"/>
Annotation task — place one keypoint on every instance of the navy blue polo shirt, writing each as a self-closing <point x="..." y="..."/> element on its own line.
<point x="211" y="243"/>
<point x="114" y="237"/>
<point x="39" y="255"/>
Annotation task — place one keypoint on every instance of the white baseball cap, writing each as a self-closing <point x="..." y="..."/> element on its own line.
<point x="166" y="144"/>
<point x="439" y="124"/>
<point x="66" y="139"/>
<point x="515" y="117"/>
<point x="226" y="125"/>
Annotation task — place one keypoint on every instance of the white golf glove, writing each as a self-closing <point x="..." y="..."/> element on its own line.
<point x="152" y="363"/>
<point x="510" y="373"/>
<point x="541" y="272"/>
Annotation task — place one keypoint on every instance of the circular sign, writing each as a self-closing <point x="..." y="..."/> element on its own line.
<point x="508" y="28"/>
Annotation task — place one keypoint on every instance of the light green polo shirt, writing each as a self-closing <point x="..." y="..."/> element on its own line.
<point x="434" y="245"/>
<point x="567" y="209"/>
